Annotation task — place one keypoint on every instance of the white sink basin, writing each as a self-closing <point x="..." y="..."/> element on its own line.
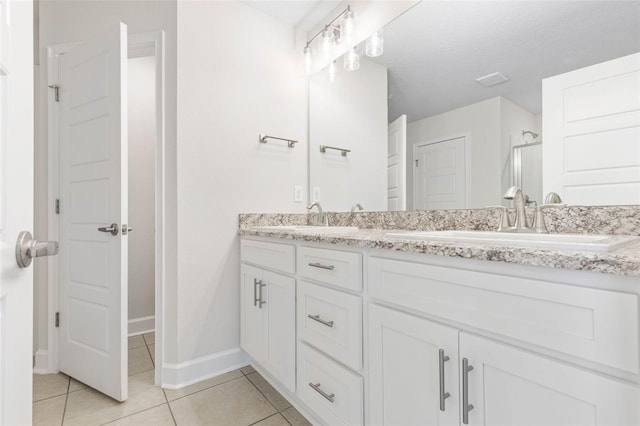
<point x="599" y="243"/>
<point x="309" y="228"/>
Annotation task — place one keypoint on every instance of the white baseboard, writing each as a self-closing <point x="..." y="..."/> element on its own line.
<point x="41" y="365"/>
<point x="142" y="325"/>
<point x="176" y="376"/>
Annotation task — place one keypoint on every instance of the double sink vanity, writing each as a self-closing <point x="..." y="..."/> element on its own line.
<point x="411" y="318"/>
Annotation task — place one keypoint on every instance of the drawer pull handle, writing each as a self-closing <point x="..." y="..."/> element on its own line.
<point x="256" y="282"/>
<point x="320" y="320"/>
<point x="321" y="266"/>
<point x="260" y="301"/>
<point x="466" y="407"/>
<point x="316" y="387"/>
<point x="443" y="395"/>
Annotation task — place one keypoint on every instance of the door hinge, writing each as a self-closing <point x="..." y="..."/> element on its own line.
<point x="56" y="90"/>
<point x="58" y="206"/>
<point x="416" y="163"/>
<point x="57" y="319"/>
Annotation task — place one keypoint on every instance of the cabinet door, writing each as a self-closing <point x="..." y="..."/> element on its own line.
<point x="404" y="386"/>
<point x="279" y="328"/>
<point x="250" y="312"/>
<point x="510" y="386"/>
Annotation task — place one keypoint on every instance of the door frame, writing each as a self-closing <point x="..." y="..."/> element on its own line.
<point x="144" y="44"/>
<point x="414" y="154"/>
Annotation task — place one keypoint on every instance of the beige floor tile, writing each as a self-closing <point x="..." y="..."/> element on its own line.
<point x="247" y="370"/>
<point x="268" y="391"/>
<point x="150" y="338"/>
<point x="48" y="385"/>
<point x="275" y="420"/>
<point x="136" y="341"/>
<point x="294" y="417"/>
<point x="236" y="402"/>
<point x="173" y="394"/>
<point x="152" y="352"/>
<point x="89" y="407"/>
<point x="76" y="385"/>
<point x="157" y="416"/>
<point x="139" y="360"/>
<point x="49" y="411"/>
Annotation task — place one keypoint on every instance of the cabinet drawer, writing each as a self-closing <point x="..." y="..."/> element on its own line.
<point x="331" y="321"/>
<point x="339" y="268"/>
<point x="596" y="325"/>
<point x="279" y="257"/>
<point x="334" y="393"/>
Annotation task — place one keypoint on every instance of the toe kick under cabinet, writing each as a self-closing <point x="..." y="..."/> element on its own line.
<point x="382" y="338"/>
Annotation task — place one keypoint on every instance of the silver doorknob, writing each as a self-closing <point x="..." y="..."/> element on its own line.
<point x="113" y="229"/>
<point x="27" y="248"/>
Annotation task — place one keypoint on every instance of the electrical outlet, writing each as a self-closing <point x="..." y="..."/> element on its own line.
<point x="297" y="193"/>
<point x="315" y="194"/>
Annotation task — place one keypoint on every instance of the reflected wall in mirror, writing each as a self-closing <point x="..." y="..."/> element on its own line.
<point x="460" y="134"/>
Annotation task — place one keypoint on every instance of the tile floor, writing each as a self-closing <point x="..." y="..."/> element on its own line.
<point x="241" y="397"/>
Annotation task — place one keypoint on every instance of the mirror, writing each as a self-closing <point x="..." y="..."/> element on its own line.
<point x="462" y="136"/>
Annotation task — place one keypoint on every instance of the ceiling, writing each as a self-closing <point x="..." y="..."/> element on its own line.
<point x="436" y="50"/>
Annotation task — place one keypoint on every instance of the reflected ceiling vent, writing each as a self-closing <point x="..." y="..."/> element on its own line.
<point x="493" y="79"/>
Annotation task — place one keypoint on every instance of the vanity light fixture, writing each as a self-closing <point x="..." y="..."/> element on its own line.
<point x="351" y="60"/>
<point x="332" y="71"/>
<point x="332" y="33"/>
<point x="374" y="45"/>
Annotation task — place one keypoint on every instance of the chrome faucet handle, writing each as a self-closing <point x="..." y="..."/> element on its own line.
<point x="357" y="206"/>
<point x="539" y="226"/>
<point x="505" y="224"/>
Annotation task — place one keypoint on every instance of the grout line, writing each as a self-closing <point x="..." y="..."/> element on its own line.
<point x="261" y="393"/>
<point x="263" y="419"/>
<point x="169" y="405"/>
<point x="49" y="397"/>
<point x="131" y="414"/>
<point x="150" y="356"/>
<point x="204" y="389"/>
<point x="66" y="399"/>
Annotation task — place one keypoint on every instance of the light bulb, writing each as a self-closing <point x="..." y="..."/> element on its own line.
<point x="327" y="42"/>
<point x="348" y="25"/>
<point x="351" y="60"/>
<point x="307" y="58"/>
<point x="375" y="45"/>
<point x="332" y="71"/>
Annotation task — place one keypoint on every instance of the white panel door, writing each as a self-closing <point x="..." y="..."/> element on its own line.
<point x="93" y="194"/>
<point x="279" y="340"/>
<point x="404" y="385"/>
<point x="591" y="128"/>
<point x="16" y="209"/>
<point x="397" y="165"/>
<point x="440" y="176"/>
<point x="510" y="386"/>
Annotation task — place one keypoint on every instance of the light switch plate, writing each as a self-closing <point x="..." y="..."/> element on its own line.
<point x="315" y="194"/>
<point x="297" y="194"/>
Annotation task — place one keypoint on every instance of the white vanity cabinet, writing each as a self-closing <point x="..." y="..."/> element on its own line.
<point x="504" y="383"/>
<point x="267" y="310"/>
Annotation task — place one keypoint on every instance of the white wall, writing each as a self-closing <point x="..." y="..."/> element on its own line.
<point x="142" y="145"/>
<point x="351" y="113"/>
<point x="480" y="124"/>
<point x="73" y="21"/>
<point x="240" y="73"/>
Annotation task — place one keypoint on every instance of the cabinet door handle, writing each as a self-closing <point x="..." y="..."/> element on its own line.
<point x="316" y="387"/>
<point x="255" y="291"/>
<point x="321" y="266"/>
<point x="260" y="301"/>
<point x="320" y="320"/>
<point x="466" y="407"/>
<point x="443" y="395"/>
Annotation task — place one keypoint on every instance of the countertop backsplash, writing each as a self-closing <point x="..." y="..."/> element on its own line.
<point x="611" y="220"/>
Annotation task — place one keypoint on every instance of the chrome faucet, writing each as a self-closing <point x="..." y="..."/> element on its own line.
<point x="357" y="206"/>
<point x="520" y="225"/>
<point x="321" y="218"/>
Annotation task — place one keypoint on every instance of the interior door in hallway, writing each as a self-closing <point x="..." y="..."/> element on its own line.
<point x="397" y="165"/>
<point x="440" y="176"/>
<point x="93" y="212"/>
<point x="16" y="209"/>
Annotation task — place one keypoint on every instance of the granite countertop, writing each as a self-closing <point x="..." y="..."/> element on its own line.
<point x="624" y="260"/>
